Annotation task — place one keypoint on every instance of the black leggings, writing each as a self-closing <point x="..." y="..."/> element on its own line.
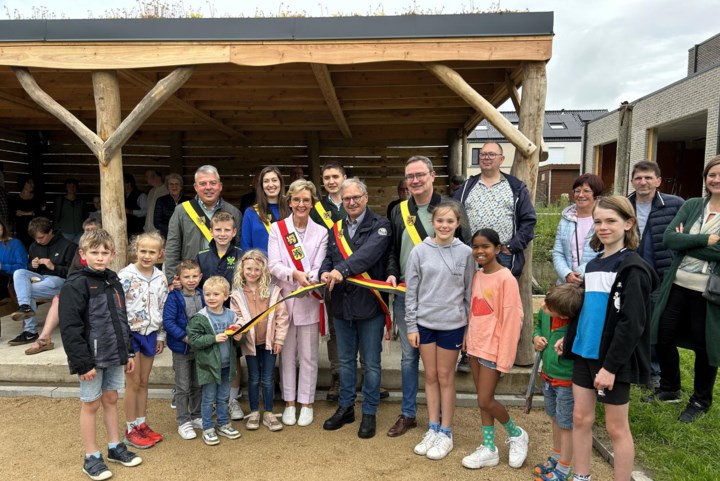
<point x="685" y="311"/>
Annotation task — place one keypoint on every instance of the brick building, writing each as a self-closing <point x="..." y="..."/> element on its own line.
<point x="676" y="126"/>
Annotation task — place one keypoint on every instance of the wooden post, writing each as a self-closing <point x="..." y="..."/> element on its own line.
<point x="622" y="158"/>
<point x="532" y="119"/>
<point x="652" y="144"/>
<point x="176" y="153"/>
<point x="107" y="104"/>
<point x="455" y="147"/>
<point x="313" y="141"/>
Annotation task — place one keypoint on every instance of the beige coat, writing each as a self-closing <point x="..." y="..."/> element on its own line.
<point x="277" y="321"/>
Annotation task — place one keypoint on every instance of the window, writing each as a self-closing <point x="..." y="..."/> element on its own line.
<point x="481" y="127"/>
<point x="556" y="154"/>
<point x="557" y="125"/>
<point x="475" y="157"/>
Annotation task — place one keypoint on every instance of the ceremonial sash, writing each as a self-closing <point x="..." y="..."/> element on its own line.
<point x="325" y="215"/>
<point x="267" y="221"/>
<point x="293" y="245"/>
<point x="346" y="251"/>
<point x="413" y="226"/>
<point x="198" y="217"/>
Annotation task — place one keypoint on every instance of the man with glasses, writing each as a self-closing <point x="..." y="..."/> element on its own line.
<point x="357" y="246"/>
<point x="499" y="201"/>
<point x="411" y="223"/>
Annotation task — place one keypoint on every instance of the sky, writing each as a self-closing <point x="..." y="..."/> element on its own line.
<point x="604" y="51"/>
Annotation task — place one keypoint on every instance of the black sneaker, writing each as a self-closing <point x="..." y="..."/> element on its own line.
<point x="121" y="454"/>
<point x="670" y="397"/>
<point x="24" y="337"/>
<point x="463" y="365"/>
<point x="23" y="312"/>
<point x="692" y="411"/>
<point x="96" y="469"/>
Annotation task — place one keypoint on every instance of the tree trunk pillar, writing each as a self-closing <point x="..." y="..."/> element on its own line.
<point x="532" y="119"/>
<point x="107" y="103"/>
<point x="455" y="151"/>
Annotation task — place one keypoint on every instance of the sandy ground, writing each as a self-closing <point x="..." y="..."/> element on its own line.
<point x="40" y="440"/>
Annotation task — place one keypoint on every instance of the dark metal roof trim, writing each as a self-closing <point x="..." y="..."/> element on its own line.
<point x="258" y="29"/>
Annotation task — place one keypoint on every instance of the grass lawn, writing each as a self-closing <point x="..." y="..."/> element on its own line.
<point x="669" y="450"/>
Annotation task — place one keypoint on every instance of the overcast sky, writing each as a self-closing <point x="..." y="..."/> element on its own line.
<point x="604" y="51"/>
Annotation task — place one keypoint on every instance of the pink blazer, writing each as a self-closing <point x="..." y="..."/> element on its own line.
<point x="303" y="310"/>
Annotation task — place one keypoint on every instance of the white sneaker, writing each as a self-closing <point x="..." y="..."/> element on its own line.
<point x="210" y="438"/>
<point x="253" y="421"/>
<point x="441" y="447"/>
<point x="288" y="417"/>
<point x="271" y="422"/>
<point x="186" y="431"/>
<point x="196" y="423"/>
<point x="228" y="431"/>
<point x="236" y="412"/>
<point x="518" y="449"/>
<point x="483" y="457"/>
<point x="427" y="442"/>
<point x="306" y="416"/>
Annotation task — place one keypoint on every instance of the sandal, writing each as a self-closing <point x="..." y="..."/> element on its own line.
<point x="39" y="346"/>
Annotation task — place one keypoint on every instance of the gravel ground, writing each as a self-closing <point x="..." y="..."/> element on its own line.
<point x="40" y="440"/>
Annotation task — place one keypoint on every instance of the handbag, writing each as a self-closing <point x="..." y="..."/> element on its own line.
<point x="712" y="289"/>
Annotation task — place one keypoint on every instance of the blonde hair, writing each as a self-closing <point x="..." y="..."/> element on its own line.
<point x="153" y="236"/>
<point x="299" y="185"/>
<point x="97" y="238"/>
<point x="239" y="280"/>
<point x="217" y="282"/>
<point x="622" y="207"/>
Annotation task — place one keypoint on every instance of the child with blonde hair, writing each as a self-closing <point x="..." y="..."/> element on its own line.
<point x="253" y="292"/>
<point x="145" y="289"/>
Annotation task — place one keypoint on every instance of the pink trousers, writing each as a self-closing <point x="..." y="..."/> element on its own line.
<point x="301" y="347"/>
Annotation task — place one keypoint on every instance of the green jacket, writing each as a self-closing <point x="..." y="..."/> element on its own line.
<point x="207" y="352"/>
<point x="696" y="246"/>
<point x="552" y="365"/>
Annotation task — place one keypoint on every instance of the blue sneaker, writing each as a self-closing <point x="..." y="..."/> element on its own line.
<point x="554" y="475"/>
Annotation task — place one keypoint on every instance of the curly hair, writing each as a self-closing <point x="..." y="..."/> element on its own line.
<point x="239" y="280"/>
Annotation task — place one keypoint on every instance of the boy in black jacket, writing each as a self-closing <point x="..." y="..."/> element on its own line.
<point x="96" y="336"/>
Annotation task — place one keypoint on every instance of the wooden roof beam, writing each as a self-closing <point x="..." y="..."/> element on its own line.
<point x="458" y="85"/>
<point x="21" y="101"/>
<point x="322" y="74"/>
<point x="142" y="81"/>
<point x="515" y="98"/>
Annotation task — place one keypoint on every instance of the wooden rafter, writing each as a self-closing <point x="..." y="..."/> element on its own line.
<point x="21" y="101"/>
<point x="142" y="81"/>
<point x="515" y="98"/>
<point x="322" y="75"/>
<point x="105" y="150"/>
<point x="458" y="85"/>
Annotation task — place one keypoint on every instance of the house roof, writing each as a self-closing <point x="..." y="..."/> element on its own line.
<point x="352" y="79"/>
<point x="568" y="125"/>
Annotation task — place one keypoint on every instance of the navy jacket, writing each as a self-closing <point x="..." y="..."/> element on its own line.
<point x="370" y="245"/>
<point x="524" y="217"/>
<point x="212" y="265"/>
<point x="93" y="321"/>
<point x="164" y="208"/>
<point x="175" y="320"/>
<point x="652" y="248"/>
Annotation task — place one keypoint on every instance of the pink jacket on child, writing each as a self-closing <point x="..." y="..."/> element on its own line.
<point x="277" y="321"/>
<point x="496" y="317"/>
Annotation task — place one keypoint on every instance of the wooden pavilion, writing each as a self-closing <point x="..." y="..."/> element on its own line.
<point x="174" y="94"/>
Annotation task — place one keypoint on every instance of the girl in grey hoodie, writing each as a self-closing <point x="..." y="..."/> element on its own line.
<point x="439" y="277"/>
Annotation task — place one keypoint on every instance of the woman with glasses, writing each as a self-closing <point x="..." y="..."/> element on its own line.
<point x="296" y="249"/>
<point x="572" y="249"/>
<point x="267" y="210"/>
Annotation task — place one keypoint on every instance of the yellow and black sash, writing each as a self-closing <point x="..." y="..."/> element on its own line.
<point x="269" y="219"/>
<point x="198" y="217"/>
<point x="413" y="226"/>
<point x="325" y="214"/>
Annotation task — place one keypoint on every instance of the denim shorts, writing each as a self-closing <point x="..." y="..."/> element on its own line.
<point x="451" y="340"/>
<point x="559" y="404"/>
<point x="145" y="345"/>
<point x="106" y="379"/>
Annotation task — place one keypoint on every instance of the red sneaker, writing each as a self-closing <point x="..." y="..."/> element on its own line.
<point x="145" y="429"/>
<point x="137" y="439"/>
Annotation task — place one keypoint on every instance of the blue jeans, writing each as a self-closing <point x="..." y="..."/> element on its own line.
<point x="365" y="335"/>
<point x="504" y="260"/>
<point x="217" y="394"/>
<point x="261" y="367"/>
<point x="28" y="291"/>
<point x="409" y="363"/>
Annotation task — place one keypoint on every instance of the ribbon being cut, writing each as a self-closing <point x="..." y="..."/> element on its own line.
<point x="381" y="286"/>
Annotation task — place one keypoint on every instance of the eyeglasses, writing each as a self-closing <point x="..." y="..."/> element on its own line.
<point x="582" y="191"/>
<point x="353" y="200"/>
<point x="489" y="155"/>
<point x="295" y="200"/>
<point x="420" y="176"/>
